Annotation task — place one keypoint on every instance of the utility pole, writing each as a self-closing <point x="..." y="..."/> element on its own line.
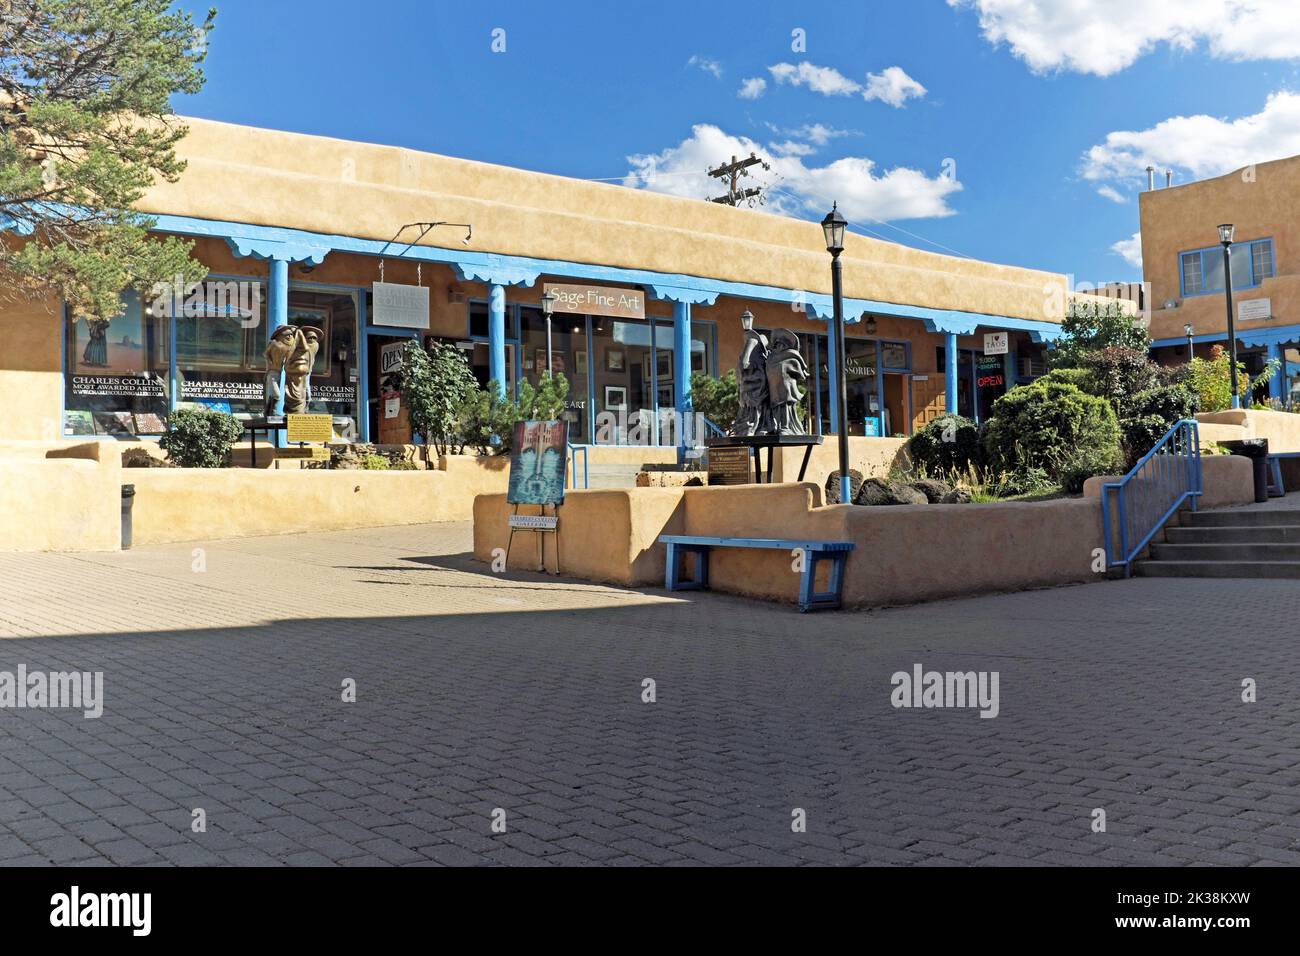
<point x="733" y="172"/>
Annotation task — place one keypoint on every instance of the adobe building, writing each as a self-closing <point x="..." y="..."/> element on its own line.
<point x="1182" y="260"/>
<point x="656" y="287"/>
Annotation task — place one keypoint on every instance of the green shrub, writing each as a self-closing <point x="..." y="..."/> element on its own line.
<point x="200" y="438"/>
<point x="946" y="445"/>
<point x="1211" y="379"/>
<point x="486" y="420"/>
<point x="1151" y="413"/>
<point x="1090" y="326"/>
<point x="435" y="383"/>
<point x="717" y="399"/>
<point x="1055" y="427"/>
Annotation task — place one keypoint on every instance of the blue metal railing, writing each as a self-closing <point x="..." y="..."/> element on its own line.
<point x="1168" y="475"/>
<point x="574" y="452"/>
<point x="714" y="430"/>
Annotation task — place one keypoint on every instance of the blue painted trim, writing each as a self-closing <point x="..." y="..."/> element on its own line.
<point x="498" y="269"/>
<point x="497" y="336"/>
<point x="1277" y="335"/>
<point x="277" y="313"/>
<point x="950" y="374"/>
<point x="363" y="368"/>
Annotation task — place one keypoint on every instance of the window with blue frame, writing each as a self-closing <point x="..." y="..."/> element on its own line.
<point x="1201" y="270"/>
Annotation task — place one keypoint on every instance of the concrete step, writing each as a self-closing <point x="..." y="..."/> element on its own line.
<point x="1241" y="517"/>
<point x="1226" y="551"/>
<point x="1218" y="569"/>
<point x="1237" y="534"/>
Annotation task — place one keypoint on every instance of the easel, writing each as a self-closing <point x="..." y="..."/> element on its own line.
<point x="542" y="524"/>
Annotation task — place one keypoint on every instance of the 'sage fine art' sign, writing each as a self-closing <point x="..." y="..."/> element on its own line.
<point x="598" y="300"/>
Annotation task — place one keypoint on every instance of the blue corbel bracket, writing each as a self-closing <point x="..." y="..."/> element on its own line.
<point x="951" y="325"/>
<point x="674" y="293"/>
<point x="277" y="249"/>
<point x="493" y="270"/>
<point x="1267" y="337"/>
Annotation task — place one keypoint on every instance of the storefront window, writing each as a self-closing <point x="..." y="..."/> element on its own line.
<point x="568" y="358"/>
<point x="861" y="382"/>
<point x="115" y="379"/>
<point x="623" y="370"/>
<point x="219" y="352"/>
<point x="1291" y="376"/>
<point x="334" y="376"/>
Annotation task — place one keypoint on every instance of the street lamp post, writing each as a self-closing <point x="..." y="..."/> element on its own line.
<point x="833" y="227"/>
<point x="548" y="306"/>
<point x="1191" y="340"/>
<point x="1226" y="232"/>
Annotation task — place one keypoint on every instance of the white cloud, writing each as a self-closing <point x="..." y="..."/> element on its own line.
<point x="819" y="133"/>
<point x="1199" y="145"/>
<point x="820" y="79"/>
<point x="1106" y="36"/>
<point x="1112" y="194"/>
<point x="892" y="86"/>
<point x="1130" y="250"/>
<point x="792" y="148"/>
<point x="709" y="66"/>
<point x="862" y="191"/>
<point x="752" y="88"/>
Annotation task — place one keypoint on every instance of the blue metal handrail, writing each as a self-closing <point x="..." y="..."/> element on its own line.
<point x="715" y="430"/>
<point x="1166" y="476"/>
<point x="574" y="451"/>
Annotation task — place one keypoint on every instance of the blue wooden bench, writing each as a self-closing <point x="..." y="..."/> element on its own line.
<point x="1276" y="489"/>
<point x="836" y="552"/>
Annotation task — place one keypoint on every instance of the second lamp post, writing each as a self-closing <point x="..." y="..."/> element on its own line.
<point x="833" y="226"/>
<point x="1226" y="232"/>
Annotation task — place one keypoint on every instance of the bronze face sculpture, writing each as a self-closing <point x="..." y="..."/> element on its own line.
<point x="292" y="349"/>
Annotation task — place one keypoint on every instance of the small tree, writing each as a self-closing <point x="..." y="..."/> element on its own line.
<point x="1091" y="326"/>
<point x="949" y="444"/>
<point x="717" y="399"/>
<point x="486" y="419"/>
<point x="435" y="384"/>
<point x="86" y="127"/>
<point x="199" y="438"/>
<point x="1211" y="379"/>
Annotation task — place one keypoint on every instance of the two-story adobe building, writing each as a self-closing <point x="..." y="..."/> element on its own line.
<point x="1182" y="262"/>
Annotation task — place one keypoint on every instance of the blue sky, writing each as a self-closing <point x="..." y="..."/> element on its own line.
<point x="988" y="128"/>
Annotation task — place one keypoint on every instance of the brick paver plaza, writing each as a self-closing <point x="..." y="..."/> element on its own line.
<point x="478" y="691"/>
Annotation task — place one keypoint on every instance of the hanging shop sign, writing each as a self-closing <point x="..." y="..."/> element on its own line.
<point x="996" y="343"/>
<point x="1252" y="309"/>
<point x="403" y="306"/>
<point x="598" y="300"/>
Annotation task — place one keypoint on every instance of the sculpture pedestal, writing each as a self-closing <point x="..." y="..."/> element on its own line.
<point x="755" y="445"/>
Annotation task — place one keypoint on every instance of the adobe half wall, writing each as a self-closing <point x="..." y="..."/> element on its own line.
<point x="904" y="554"/>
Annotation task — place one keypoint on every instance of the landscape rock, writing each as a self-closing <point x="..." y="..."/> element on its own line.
<point x="958" y="496"/>
<point x="933" y="489"/>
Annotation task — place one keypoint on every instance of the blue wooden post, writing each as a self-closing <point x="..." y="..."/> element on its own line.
<point x="1277" y="385"/>
<point x="950" y="373"/>
<point x="497" y="335"/>
<point x="682" y="373"/>
<point x="277" y="314"/>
